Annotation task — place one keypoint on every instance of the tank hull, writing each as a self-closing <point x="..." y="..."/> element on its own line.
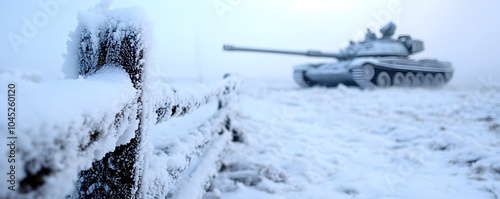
<point x="375" y="72"/>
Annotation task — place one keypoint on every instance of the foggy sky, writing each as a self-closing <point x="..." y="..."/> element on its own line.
<point x="188" y="34"/>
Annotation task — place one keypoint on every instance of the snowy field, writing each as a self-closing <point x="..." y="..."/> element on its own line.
<point x="348" y="143"/>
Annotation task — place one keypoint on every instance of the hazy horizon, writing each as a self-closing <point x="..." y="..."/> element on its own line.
<point x="188" y="35"/>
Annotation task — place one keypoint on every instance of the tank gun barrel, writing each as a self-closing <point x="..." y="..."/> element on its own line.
<point x="310" y="53"/>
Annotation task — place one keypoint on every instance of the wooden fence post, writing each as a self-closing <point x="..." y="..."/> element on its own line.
<point x="118" y="174"/>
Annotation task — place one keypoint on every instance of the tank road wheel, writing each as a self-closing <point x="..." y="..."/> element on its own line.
<point x="428" y="80"/>
<point x="383" y="79"/>
<point x="439" y="79"/>
<point x="368" y="71"/>
<point x="420" y="79"/>
<point x="399" y="79"/>
<point x="411" y="80"/>
<point x="448" y="76"/>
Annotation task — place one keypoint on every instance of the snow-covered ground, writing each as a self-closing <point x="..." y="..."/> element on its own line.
<point x="348" y="143"/>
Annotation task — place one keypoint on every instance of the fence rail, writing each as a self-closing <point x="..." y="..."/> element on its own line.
<point x="92" y="138"/>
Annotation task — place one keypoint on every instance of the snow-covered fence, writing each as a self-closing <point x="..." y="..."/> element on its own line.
<point x="89" y="137"/>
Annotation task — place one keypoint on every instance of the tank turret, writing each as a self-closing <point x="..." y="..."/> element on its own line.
<point x="369" y="63"/>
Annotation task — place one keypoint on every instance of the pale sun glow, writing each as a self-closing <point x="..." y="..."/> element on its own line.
<point x="316" y="5"/>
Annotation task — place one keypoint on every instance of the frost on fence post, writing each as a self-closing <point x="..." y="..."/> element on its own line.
<point x="114" y="43"/>
<point x="87" y="54"/>
<point x="223" y="102"/>
<point x="237" y="136"/>
<point x="113" y="39"/>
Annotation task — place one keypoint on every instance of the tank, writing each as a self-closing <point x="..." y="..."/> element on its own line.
<point x="372" y="63"/>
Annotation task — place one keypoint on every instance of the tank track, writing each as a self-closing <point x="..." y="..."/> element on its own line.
<point x="301" y="79"/>
<point x="407" y="78"/>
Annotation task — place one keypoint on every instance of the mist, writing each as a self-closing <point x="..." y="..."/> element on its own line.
<point x="188" y="34"/>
